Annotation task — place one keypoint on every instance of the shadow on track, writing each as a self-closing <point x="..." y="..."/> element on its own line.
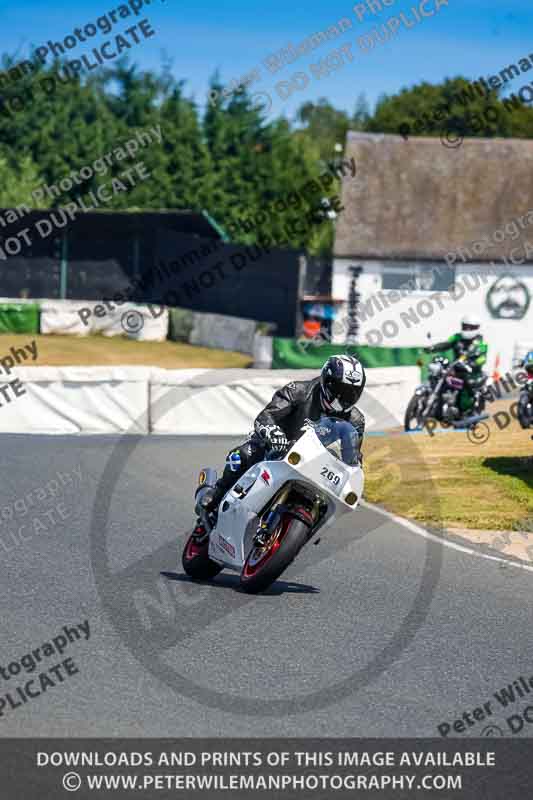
<point x="232" y="582"/>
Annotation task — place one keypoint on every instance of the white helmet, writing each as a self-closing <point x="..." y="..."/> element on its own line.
<point x="342" y="381"/>
<point x="470" y="326"/>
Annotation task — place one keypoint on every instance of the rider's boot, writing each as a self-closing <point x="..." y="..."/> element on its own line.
<point x="203" y="509"/>
<point x="210" y="499"/>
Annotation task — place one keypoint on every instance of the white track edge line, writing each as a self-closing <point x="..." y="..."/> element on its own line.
<point x="453" y="545"/>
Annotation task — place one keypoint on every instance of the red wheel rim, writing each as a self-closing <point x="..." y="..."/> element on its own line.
<point x="250" y="570"/>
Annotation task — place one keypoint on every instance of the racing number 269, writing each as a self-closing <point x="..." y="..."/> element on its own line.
<point x="330" y="476"/>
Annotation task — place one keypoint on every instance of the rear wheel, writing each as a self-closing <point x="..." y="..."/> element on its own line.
<point x="196" y="561"/>
<point x="265" y="564"/>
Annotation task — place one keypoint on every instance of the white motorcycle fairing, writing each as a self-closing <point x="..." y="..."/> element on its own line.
<point x="242" y="506"/>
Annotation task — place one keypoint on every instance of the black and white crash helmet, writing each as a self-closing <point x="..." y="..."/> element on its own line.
<point x="342" y="381"/>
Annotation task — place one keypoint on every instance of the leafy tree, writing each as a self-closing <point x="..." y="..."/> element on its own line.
<point x="325" y="125"/>
<point x="184" y="176"/>
<point x="17" y="181"/>
<point x="455" y="105"/>
<point x="259" y="170"/>
<point x="231" y="161"/>
<point x="63" y="125"/>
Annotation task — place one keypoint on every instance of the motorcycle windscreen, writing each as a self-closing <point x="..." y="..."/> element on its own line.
<point x="340" y="438"/>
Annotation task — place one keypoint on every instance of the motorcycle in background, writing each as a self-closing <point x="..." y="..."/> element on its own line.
<point x="438" y="398"/>
<point x="525" y="399"/>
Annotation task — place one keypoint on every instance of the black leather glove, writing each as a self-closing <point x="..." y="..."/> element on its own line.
<point x="274" y="438"/>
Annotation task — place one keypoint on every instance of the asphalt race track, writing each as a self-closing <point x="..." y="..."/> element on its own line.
<point x="374" y="632"/>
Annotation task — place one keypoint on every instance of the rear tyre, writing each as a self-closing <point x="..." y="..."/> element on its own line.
<point x="196" y="561"/>
<point x="265" y="564"/>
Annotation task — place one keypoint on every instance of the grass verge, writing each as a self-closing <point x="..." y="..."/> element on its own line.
<point x="446" y="480"/>
<point x="83" y="351"/>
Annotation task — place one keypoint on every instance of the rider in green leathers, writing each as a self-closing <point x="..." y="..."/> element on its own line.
<point x="470" y="345"/>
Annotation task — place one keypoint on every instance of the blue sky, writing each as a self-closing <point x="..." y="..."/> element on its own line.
<point x="468" y="37"/>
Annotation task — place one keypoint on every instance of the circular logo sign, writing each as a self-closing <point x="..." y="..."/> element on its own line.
<point x="508" y="298"/>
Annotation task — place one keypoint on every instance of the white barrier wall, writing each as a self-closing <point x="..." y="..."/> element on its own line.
<point x="61" y="317"/>
<point x="210" y="402"/>
<point x="139" y="322"/>
<point x="78" y="400"/>
<point x="185" y="402"/>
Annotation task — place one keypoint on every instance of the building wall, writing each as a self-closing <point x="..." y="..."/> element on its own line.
<point x="391" y="317"/>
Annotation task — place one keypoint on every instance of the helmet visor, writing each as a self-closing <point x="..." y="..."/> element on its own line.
<point x="467" y="327"/>
<point x="345" y="393"/>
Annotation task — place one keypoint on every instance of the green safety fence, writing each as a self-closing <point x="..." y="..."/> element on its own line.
<point x="294" y="354"/>
<point x="19" y="317"/>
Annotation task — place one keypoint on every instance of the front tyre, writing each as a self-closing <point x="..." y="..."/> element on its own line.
<point x="412" y="413"/>
<point x="196" y="562"/>
<point x="265" y="564"/>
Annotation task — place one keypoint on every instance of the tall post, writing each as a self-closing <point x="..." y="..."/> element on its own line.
<point x="353" y="301"/>
<point x="302" y="273"/>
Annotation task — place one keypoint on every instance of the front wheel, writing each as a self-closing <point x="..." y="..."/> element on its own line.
<point x="196" y="562"/>
<point x="265" y="564"/>
<point x="413" y="413"/>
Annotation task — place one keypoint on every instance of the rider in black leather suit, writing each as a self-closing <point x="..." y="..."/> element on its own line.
<point x="334" y="393"/>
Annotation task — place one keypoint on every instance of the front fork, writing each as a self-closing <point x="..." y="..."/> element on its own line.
<point x="272" y="517"/>
<point x="431" y="401"/>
